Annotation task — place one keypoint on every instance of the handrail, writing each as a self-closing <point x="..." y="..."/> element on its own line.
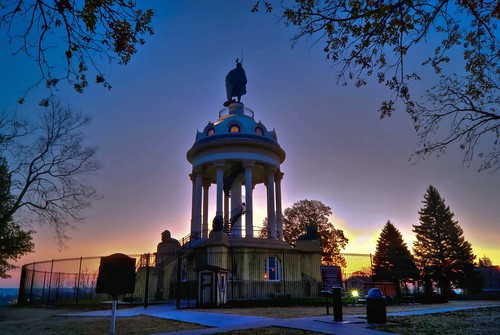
<point x="246" y="111"/>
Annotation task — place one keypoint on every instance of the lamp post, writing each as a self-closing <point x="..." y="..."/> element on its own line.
<point x="354" y="295"/>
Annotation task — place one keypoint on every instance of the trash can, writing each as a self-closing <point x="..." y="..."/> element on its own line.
<point x="376" y="306"/>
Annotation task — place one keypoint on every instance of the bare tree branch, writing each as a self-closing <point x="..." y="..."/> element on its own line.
<point x="365" y="38"/>
<point x="79" y="31"/>
<point x="50" y="169"/>
<point x="470" y="122"/>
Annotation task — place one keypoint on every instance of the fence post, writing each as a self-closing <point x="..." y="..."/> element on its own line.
<point x="371" y="272"/>
<point x="50" y="281"/>
<point x="21" y="295"/>
<point x="32" y="281"/>
<point x="78" y="281"/>
<point x="43" y="287"/>
<point x="146" y="286"/>
<point x="232" y="274"/>
<point x="283" y="274"/>
<point x="179" y="274"/>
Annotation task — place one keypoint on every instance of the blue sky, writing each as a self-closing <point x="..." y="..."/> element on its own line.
<point x="338" y="151"/>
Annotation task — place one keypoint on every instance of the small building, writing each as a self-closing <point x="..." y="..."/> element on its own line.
<point x="490" y="276"/>
<point x="363" y="284"/>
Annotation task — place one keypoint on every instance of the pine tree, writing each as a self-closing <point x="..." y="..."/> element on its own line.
<point x="392" y="260"/>
<point x="442" y="254"/>
<point x="14" y="241"/>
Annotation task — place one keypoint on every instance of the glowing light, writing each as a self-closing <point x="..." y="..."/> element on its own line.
<point x="265" y="276"/>
<point x="354" y="293"/>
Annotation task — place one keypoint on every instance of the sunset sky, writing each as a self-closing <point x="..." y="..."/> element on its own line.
<point x="338" y="150"/>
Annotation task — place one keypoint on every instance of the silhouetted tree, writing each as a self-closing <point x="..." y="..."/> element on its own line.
<point x="392" y="260"/>
<point x="383" y="39"/>
<point x="14" y="241"/>
<point x="441" y="252"/>
<point x="305" y="213"/>
<point x="485" y="261"/>
<point x="49" y="165"/>
<point x="78" y="32"/>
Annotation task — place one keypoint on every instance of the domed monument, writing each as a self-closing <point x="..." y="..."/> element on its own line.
<point x="226" y="260"/>
<point x="232" y="152"/>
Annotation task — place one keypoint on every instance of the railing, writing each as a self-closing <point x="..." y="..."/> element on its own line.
<point x="227" y="110"/>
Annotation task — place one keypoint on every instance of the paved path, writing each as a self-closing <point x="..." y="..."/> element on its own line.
<point x="351" y="325"/>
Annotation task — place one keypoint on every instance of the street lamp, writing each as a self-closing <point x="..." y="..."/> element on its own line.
<point x="354" y="295"/>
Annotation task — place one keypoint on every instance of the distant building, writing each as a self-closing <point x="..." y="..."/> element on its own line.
<point x="491" y="277"/>
<point x="363" y="284"/>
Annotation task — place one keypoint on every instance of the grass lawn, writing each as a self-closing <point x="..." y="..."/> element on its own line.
<point x="16" y="320"/>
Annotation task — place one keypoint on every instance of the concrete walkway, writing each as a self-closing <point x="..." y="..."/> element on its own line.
<point x="351" y="324"/>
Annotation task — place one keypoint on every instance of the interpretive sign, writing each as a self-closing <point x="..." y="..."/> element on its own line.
<point x="331" y="276"/>
<point x="116" y="275"/>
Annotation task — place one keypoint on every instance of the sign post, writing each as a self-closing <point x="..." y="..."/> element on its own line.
<point x="332" y="285"/>
<point x="116" y="276"/>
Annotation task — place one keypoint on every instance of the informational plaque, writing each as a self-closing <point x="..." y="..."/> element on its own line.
<point x="331" y="275"/>
<point x="116" y="275"/>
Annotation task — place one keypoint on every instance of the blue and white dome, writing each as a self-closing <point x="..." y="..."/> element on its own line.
<point x="236" y="137"/>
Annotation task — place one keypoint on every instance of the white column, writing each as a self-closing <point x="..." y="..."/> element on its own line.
<point x="220" y="187"/>
<point x="198" y="195"/>
<point x="236" y="207"/>
<point x="271" y="218"/>
<point x="226" y="210"/>
<point x="193" y="202"/>
<point x="204" y="226"/>
<point x="279" y="214"/>
<point x="249" y="200"/>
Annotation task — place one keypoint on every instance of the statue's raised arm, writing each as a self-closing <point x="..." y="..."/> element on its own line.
<point x="236" y="81"/>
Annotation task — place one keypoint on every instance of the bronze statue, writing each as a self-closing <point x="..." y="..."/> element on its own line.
<point x="236" y="81"/>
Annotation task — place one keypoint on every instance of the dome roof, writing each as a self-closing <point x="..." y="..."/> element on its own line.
<point x="234" y="120"/>
<point x="235" y="136"/>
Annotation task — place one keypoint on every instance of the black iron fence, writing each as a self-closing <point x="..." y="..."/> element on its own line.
<point x="170" y="280"/>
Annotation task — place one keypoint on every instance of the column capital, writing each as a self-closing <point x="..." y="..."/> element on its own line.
<point x="206" y="183"/>
<point x="197" y="169"/>
<point x="271" y="169"/>
<point x="278" y="176"/>
<point x="218" y="164"/>
<point x="248" y="164"/>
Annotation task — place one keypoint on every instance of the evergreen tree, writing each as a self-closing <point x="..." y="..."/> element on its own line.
<point x="14" y="241"/>
<point x="442" y="254"/>
<point x="392" y="260"/>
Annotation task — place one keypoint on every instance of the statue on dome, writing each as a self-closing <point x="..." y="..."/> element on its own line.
<point x="236" y="81"/>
